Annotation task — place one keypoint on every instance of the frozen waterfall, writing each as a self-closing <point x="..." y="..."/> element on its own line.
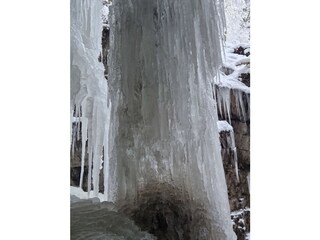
<point x="165" y="165"/>
<point x="154" y="123"/>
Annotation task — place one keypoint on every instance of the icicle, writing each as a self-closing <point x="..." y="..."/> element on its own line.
<point x="106" y="156"/>
<point x="225" y="99"/>
<point x="238" y="94"/>
<point x="224" y="102"/>
<point x="88" y="86"/>
<point x="71" y="126"/>
<point x="74" y="135"/>
<point x="242" y="108"/>
<point x="89" y="165"/>
<point x="84" y="136"/>
<point x="219" y="101"/>
<point x="78" y="122"/>
<point x="234" y="153"/>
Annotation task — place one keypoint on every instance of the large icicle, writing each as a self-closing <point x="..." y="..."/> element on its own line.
<point x="224" y="102"/>
<point x="165" y="162"/>
<point x="84" y="136"/>
<point x="88" y="85"/>
<point x="106" y="163"/>
<point x="225" y="96"/>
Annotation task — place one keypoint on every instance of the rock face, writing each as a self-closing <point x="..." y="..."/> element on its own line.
<point x="238" y="191"/>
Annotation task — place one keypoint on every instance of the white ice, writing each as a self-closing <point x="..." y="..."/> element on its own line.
<point x="89" y="89"/>
<point x="163" y="56"/>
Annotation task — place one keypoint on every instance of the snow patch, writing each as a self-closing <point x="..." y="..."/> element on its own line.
<point x="224" y="126"/>
<point x="79" y="193"/>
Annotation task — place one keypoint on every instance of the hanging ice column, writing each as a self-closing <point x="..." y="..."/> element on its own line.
<point x="89" y="88"/>
<point x="165" y="165"/>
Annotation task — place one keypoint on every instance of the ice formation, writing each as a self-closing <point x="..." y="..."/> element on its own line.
<point x="89" y="90"/>
<point x="166" y="170"/>
<point x="229" y="88"/>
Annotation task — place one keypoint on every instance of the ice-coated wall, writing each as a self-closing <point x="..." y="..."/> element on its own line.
<point x="166" y="170"/>
<point x="89" y="90"/>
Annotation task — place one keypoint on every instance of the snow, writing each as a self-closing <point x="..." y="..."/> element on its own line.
<point x="224" y="126"/>
<point x="232" y="83"/>
<point x="105" y="15"/>
<point x="239" y="212"/>
<point x="227" y="84"/>
<point x="238" y="29"/>
<point x="235" y="62"/>
<point x="79" y="193"/>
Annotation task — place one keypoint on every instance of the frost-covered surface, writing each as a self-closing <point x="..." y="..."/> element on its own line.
<point x="105" y="15"/>
<point x="236" y="64"/>
<point x="228" y="83"/>
<point x="224" y="126"/>
<point x="79" y="193"/>
<point x="89" y="88"/>
<point x="238" y="22"/>
<point x="239" y="212"/>
<point x="164" y="147"/>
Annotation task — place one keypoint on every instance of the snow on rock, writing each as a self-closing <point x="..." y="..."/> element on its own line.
<point x="239" y="64"/>
<point x="232" y="83"/>
<point x="228" y="85"/>
<point x="224" y="126"/>
<point x="80" y="194"/>
<point x="241" y="222"/>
